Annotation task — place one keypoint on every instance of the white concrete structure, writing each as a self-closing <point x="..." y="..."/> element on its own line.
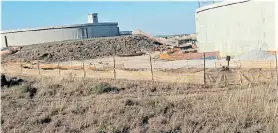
<point x="92" y="18"/>
<point x="58" y="33"/>
<point x="235" y="27"/>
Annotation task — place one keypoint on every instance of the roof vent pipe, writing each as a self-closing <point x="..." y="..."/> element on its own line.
<point x="92" y="18"/>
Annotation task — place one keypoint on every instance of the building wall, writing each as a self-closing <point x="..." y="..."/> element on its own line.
<point x="237" y="28"/>
<point x="50" y="35"/>
<point x="103" y="31"/>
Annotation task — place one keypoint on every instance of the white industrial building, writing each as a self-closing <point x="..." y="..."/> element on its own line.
<point x="59" y="33"/>
<point x="235" y="27"/>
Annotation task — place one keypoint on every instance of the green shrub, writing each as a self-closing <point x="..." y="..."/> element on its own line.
<point x="103" y="87"/>
<point x="25" y="88"/>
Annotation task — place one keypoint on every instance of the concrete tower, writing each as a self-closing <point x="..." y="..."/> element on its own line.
<point x="92" y="18"/>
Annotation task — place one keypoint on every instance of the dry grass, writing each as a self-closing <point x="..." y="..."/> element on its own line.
<point x="89" y="105"/>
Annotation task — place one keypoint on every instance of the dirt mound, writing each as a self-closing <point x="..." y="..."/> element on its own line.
<point x="83" y="49"/>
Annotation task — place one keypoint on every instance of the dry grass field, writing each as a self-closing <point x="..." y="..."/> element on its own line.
<point x="70" y="104"/>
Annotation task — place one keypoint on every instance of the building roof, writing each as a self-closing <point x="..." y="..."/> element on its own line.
<point x="58" y="27"/>
<point x="220" y="4"/>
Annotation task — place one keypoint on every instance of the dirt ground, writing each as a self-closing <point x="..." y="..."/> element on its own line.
<point x="72" y="104"/>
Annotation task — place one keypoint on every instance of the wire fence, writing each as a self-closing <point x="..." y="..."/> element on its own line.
<point x="150" y="67"/>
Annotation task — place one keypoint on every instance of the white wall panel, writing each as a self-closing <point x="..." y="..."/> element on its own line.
<point x="50" y="35"/>
<point x="237" y="28"/>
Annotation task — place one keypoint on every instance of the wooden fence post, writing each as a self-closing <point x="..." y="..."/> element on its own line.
<point x="240" y="78"/>
<point x="215" y="64"/>
<point x="38" y="62"/>
<point x="20" y="65"/>
<point x="151" y="66"/>
<point x="83" y="68"/>
<point x="71" y="66"/>
<point x="114" y="62"/>
<point x="59" y="67"/>
<point x="204" y="68"/>
<point x="276" y="66"/>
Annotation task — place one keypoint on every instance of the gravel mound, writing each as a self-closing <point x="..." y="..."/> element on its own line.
<point x="84" y="49"/>
<point x="255" y="55"/>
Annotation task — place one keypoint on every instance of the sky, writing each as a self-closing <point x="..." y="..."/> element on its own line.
<point x="156" y="18"/>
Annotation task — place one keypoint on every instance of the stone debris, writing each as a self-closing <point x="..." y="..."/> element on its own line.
<point x="84" y="49"/>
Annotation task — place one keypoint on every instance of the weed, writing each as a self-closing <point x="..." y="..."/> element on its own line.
<point x="45" y="120"/>
<point x="27" y="88"/>
<point x="104" y="87"/>
<point x="234" y="108"/>
<point x="129" y="102"/>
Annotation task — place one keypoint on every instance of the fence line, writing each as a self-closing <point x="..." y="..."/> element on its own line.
<point x="203" y="71"/>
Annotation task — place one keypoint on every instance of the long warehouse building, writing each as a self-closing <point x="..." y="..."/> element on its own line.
<point x="60" y="33"/>
<point x="236" y="27"/>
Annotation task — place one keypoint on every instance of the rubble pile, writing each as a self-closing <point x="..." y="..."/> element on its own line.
<point x="84" y="49"/>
